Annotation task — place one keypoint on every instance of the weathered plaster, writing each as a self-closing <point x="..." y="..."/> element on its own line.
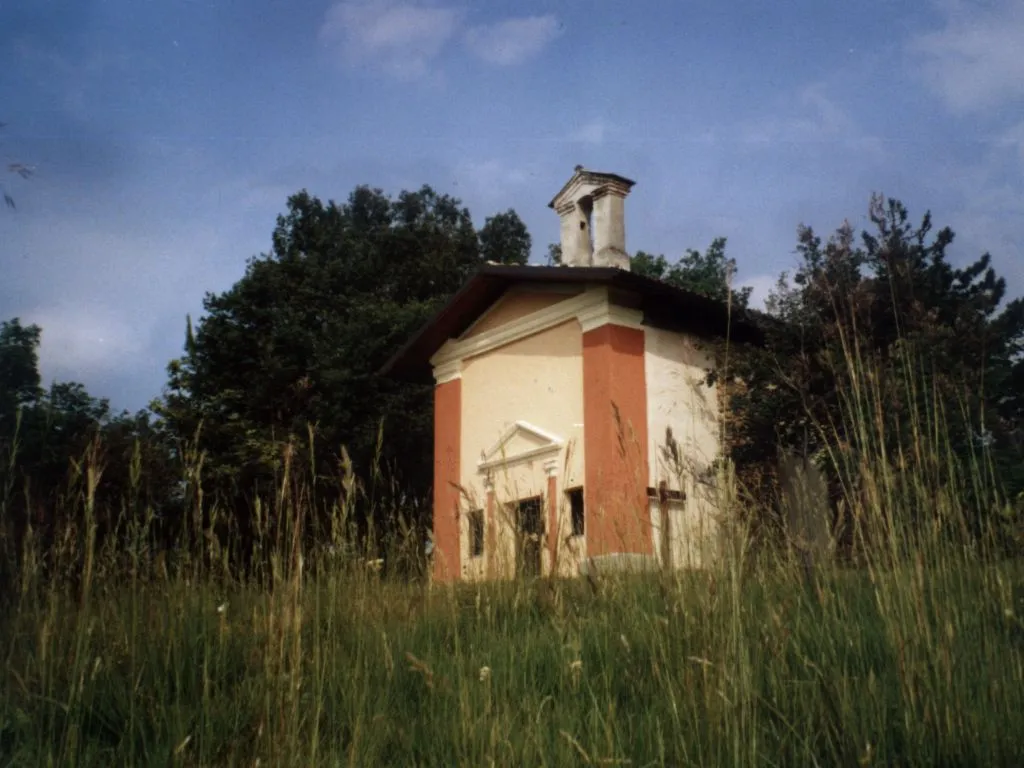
<point x="514" y="306"/>
<point x="537" y="380"/>
<point x="678" y="399"/>
<point x="591" y="207"/>
<point x="615" y="411"/>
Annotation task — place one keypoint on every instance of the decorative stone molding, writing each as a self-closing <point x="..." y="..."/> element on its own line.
<point x="448" y="371"/>
<point x="595" y="317"/>
<point x="610" y="188"/>
<point x="591" y="309"/>
<point x="593" y="230"/>
<point x="499" y="456"/>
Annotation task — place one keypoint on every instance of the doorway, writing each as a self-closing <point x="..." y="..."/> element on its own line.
<point x="530" y="523"/>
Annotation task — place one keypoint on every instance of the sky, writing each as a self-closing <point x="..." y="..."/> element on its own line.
<point x="165" y="137"/>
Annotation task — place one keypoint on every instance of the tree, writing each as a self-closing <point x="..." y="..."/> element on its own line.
<point x="45" y="437"/>
<point x="554" y="255"/>
<point x="891" y="316"/>
<point x="19" y="371"/>
<point x="709" y="273"/>
<point x="298" y="339"/>
<point x="505" y="240"/>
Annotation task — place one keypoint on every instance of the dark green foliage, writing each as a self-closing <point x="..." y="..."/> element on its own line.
<point x="298" y="339"/>
<point x="937" y="344"/>
<point x="45" y="437"/>
<point x="709" y="273"/>
<point x="554" y="255"/>
<point x="505" y="240"/>
<point x="19" y="370"/>
<point x="279" y="374"/>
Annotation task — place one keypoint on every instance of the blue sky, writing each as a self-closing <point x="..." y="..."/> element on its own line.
<point x="167" y="136"/>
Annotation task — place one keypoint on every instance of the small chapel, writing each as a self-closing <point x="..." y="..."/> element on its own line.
<point x="573" y="424"/>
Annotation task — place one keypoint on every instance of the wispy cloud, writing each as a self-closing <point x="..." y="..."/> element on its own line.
<point x="594" y="132"/>
<point x="404" y="39"/>
<point x="512" y="41"/>
<point x="814" y="116"/>
<point x="83" y="341"/>
<point x="490" y="181"/>
<point x="975" y="61"/>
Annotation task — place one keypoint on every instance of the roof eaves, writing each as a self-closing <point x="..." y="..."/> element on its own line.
<point x="496" y="278"/>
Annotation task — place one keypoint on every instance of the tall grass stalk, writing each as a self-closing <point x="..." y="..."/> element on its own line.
<point x="914" y="654"/>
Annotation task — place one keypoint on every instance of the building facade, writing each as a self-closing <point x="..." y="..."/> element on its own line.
<point x="573" y="425"/>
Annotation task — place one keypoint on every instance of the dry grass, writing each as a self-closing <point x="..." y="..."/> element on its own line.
<point x="914" y="657"/>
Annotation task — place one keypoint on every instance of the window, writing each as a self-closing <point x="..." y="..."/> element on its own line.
<point x="476" y="533"/>
<point x="576" y="507"/>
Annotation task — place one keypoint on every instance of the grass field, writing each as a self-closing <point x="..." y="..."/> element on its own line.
<point x="766" y="665"/>
<point x="914" y="657"/>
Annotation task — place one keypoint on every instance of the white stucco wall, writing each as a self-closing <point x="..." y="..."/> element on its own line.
<point x="675" y="367"/>
<point x="538" y="380"/>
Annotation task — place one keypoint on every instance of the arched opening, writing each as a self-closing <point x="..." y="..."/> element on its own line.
<point x="586" y="206"/>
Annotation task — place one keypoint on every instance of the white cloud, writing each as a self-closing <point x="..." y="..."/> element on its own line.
<point x="817" y="118"/>
<point x="977" y="60"/>
<point x="402" y="38"/>
<point x="82" y="341"/>
<point x="405" y="38"/>
<point x="490" y="181"/>
<point x="512" y="41"/>
<point x="814" y="118"/>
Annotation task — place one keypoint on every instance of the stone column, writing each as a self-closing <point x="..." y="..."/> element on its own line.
<point x="490" y="531"/>
<point x="575" y="235"/>
<point x="551" y="470"/>
<point x="610" y="228"/>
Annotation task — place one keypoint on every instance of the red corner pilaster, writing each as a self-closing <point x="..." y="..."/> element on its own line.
<point x="447" y="444"/>
<point x="615" y="441"/>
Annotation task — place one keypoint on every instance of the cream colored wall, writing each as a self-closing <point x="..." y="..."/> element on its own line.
<point x="539" y="380"/>
<point x="693" y="528"/>
<point x="675" y="366"/>
<point x="517" y="304"/>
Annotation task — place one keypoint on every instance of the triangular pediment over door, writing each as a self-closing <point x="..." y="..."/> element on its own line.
<point x="520" y="443"/>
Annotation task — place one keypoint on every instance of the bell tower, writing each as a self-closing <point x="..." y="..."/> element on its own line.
<point x="592" y="210"/>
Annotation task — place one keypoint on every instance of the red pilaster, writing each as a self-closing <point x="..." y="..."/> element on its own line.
<point x="447" y="444"/>
<point x="615" y="441"/>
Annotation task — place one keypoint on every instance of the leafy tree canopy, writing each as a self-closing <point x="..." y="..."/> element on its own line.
<point x="505" y="240"/>
<point x="45" y="435"/>
<point x="939" y="342"/>
<point x="19" y="369"/>
<point x="298" y="339"/>
<point x="709" y="273"/>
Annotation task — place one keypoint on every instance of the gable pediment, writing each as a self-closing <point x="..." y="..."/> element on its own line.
<point x="519" y="443"/>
